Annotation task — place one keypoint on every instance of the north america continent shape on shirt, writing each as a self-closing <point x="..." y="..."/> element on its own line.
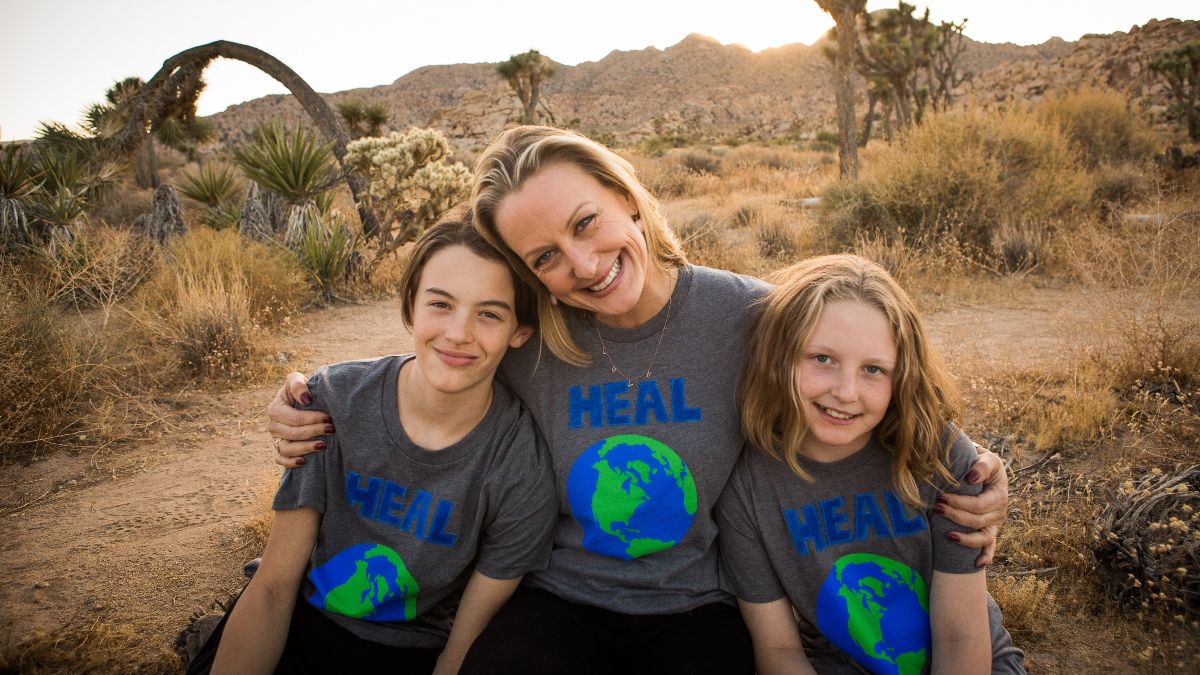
<point x="632" y="495"/>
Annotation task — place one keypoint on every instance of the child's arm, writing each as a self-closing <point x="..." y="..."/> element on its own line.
<point x="777" y="646"/>
<point x="257" y="629"/>
<point x="482" y="598"/>
<point x="959" y="623"/>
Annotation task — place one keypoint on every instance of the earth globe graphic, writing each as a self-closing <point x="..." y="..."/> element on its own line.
<point x="876" y="610"/>
<point x="366" y="581"/>
<point x="632" y="495"/>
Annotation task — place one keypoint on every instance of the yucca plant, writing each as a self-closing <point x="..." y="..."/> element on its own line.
<point x="18" y="180"/>
<point x="326" y="252"/>
<point x="216" y="187"/>
<point x="295" y="164"/>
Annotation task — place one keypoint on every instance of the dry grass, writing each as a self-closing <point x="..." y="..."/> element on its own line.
<point x="95" y="644"/>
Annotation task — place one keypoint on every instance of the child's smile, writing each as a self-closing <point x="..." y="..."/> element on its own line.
<point x="844" y="379"/>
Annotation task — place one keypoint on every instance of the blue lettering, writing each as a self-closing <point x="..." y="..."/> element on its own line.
<point x="649" y="399"/>
<point x="366" y="499"/>
<point x="392" y="505"/>
<point x="679" y="410"/>
<point x="579" y="405"/>
<point x="417" y="514"/>
<point x="867" y="515"/>
<point x="614" y="405"/>
<point x="900" y="524"/>
<point x="437" y="533"/>
<point x="833" y="512"/>
<point x="806" y="533"/>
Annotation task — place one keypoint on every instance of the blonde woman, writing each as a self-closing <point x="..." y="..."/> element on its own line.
<point x="633" y="381"/>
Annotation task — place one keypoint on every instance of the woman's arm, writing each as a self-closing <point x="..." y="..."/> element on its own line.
<point x="959" y="623"/>
<point x="483" y="597"/>
<point x="777" y="646"/>
<point x="983" y="513"/>
<point x="257" y="629"/>
<point x="296" y="430"/>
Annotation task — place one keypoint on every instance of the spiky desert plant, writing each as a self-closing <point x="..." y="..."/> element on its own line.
<point x="216" y="187"/>
<point x="293" y="164"/>
<point x="18" y="180"/>
<point x="326" y="252"/>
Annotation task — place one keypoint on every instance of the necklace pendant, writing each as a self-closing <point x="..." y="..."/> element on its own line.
<point x="614" y="369"/>
<point x="647" y="373"/>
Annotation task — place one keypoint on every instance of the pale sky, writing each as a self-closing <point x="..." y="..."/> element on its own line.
<point x="57" y="56"/>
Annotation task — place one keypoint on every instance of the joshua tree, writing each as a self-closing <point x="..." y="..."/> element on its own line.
<point x="845" y="14"/>
<point x="1180" y="67"/>
<point x="363" y="119"/>
<point x="942" y="72"/>
<point x="176" y="126"/>
<point x="525" y="73"/>
<point x="184" y="69"/>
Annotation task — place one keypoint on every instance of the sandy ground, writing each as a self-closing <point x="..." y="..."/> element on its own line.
<point x="145" y="535"/>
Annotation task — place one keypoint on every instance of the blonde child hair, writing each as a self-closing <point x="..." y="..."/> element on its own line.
<point x="924" y="398"/>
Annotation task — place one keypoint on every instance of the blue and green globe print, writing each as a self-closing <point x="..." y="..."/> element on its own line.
<point x="366" y="581"/>
<point x="876" y="610"/>
<point x="632" y="495"/>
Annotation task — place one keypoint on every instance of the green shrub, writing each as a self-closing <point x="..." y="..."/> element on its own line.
<point x="962" y="175"/>
<point x="217" y="188"/>
<point x="1100" y="125"/>
<point x="326" y="253"/>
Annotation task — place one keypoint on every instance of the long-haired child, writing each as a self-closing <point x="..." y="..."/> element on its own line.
<point x="833" y="513"/>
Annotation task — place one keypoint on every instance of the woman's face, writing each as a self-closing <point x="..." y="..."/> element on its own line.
<point x="579" y="238"/>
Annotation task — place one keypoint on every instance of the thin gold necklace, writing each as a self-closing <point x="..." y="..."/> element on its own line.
<point x="662" y="332"/>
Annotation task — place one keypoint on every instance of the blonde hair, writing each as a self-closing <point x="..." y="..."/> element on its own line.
<point x="519" y="154"/>
<point x="924" y="398"/>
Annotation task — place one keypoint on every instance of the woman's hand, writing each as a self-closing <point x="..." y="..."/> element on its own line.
<point x="983" y="513"/>
<point x="294" y="430"/>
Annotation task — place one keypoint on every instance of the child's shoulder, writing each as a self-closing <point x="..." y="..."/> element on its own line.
<point x="333" y="384"/>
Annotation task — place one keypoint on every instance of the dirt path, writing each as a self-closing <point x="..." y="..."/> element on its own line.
<point x="143" y="537"/>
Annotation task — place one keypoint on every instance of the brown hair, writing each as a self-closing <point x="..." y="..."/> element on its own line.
<point x="924" y="398"/>
<point x="455" y="228"/>
<point x="519" y="154"/>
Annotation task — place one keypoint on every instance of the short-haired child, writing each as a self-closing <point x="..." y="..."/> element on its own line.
<point x="830" y="530"/>
<point x="435" y="490"/>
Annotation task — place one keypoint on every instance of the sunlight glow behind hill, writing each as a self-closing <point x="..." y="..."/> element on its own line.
<point x="58" y="56"/>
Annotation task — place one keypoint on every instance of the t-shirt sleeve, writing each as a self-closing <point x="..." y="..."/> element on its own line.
<point x="305" y="484"/>
<point x="524" y="508"/>
<point x="746" y="569"/>
<point x="947" y="555"/>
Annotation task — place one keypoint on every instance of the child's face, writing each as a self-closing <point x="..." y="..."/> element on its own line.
<point x="844" y="379"/>
<point x="464" y="320"/>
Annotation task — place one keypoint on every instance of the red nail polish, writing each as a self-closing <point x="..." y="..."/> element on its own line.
<point x="939" y="509"/>
<point x="320" y="445"/>
<point x="973" y="476"/>
<point x="327" y="419"/>
<point x="300" y="461"/>
<point x="954" y="536"/>
<point x="941" y="499"/>
<point x="305" y="399"/>
<point x="329" y="429"/>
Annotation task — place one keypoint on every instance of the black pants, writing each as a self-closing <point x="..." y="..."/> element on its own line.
<point x="315" y="644"/>
<point x="537" y="632"/>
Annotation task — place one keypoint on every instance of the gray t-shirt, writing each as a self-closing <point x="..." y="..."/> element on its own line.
<point x="403" y="527"/>
<point x="854" y="560"/>
<point x="639" y="467"/>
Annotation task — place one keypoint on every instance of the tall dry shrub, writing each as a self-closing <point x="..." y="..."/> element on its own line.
<point x="1100" y="125"/>
<point x="270" y="277"/>
<point x="963" y="175"/>
<point x="207" y="305"/>
<point x="97" y="268"/>
<point x="41" y="373"/>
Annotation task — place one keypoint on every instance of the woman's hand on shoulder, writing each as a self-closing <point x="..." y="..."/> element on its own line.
<point x="983" y="513"/>
<point x="296" y="431"/>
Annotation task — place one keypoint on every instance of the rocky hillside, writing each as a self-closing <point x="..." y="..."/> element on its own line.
<point x="723" y="89"/>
